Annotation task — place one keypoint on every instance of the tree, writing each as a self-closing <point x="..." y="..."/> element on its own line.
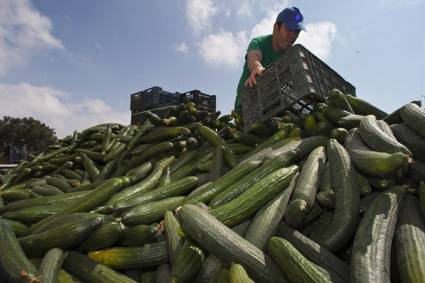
<point x="25" y="134"/>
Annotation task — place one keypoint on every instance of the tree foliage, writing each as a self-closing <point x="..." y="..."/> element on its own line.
<point x="25" y="134"/>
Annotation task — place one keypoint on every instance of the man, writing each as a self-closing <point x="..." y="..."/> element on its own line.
<point x="263" y="50"/>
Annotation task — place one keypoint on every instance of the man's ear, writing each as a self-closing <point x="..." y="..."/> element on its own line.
<point x="275" y="27"/>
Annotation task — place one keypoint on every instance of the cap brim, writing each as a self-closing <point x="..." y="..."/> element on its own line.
<point x="295" y="26"/>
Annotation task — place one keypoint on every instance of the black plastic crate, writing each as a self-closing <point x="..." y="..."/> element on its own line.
<point x="151" y="98"/>
<point x="296" y="81"/>
<point x="201" y="100"/>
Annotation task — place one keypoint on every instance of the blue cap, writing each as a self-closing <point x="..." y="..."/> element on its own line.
<point x="292" y="18"/>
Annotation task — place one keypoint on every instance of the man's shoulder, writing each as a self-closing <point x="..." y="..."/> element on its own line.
<point x="261" y="38"/>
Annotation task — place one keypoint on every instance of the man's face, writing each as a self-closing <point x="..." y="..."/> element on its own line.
<point x="285" y="37"/>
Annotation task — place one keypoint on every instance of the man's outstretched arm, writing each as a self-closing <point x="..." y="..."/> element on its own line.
<point x="255" y="67"/>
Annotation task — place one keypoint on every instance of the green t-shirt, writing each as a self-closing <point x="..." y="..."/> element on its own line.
<point x="264" y="44"/>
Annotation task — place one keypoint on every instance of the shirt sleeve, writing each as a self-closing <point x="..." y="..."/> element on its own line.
<point x="254" y="45"/>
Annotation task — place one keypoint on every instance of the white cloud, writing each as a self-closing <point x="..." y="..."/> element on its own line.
<point x="53" y="107"/>
<point x="244" y="9"/>
<point x="199" y="14"/>
<point x="396" y="4"/>
<point x="182" y="47"/>
<point x="319" y="38"/>
<point x="224" y="48"/>
<point x="23" y="33"/>
<point x="265" y="26"/>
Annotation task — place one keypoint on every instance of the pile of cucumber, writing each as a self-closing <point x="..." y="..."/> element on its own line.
<point x="333" y="195"/>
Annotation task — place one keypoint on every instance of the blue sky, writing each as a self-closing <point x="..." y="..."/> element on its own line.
<point x="73" y="64"/>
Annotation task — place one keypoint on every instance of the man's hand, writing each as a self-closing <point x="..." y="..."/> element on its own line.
<point x="252" y="79"/>
<point x="254" y="66"/>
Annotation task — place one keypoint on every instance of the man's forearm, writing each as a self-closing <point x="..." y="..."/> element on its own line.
<point x="254" y="64"/>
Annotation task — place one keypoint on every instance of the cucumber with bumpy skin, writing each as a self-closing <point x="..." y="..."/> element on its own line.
<point x="343" y="225"/>
<point x="372" y="242"/>
<point x="86" y="269"/>
<point x="294" y="264"/>
<point x="409" y="239"/>
<point x="14" y="265"/>
<point x="227" y="245"/>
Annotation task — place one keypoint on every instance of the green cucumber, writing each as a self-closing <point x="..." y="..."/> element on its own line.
<point x="138" y="235"/>
<point x="409" y="239"/>
<point x="266" y="220"/>
<point x="306" y="188"/>
<point x="227" y="245"/>
<point x="209" y="191"/>
<point x="87" y="270"/>
<point x="14" y="265"/>
<point x="120" y="258"/>
<point x="145" y="185"/>
<point x="238" y="274"/>
<point x="172" y="236"/>
<point x="62" y="236"/>
<point x="216" y="140"/>
<point x="246" y="204"/>
<point x="414" y="116"/>
<point x="105" y="236"/>
<point x="173" y="189"/>
<point x="316" y="253"/>
<point x="373" y="135"/>
<point x="347" y="198"/>
<point x="151" y="211"/>
<point x="295" y="265"/>
<point x="51" y="265"/>
<point x="371" y="249"/>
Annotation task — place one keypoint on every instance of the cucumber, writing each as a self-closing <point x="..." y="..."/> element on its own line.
<point x="105" y="236"/>
<point x="343" y="225"/>
<point x="209" y="191"/>
<point x="149" y="153"/>
<point x="409" y="239"/>
<point x="89" y="166"/>
<point x="371" y="249"/>
<point x="51" y="265"/>
<point x="306" y="188"/>
<point x="245" y="205"/>
<point x="410" y="139"/>
<point x="216" y="140"/>
<point x="20" y="229"/>
<point x="14" y="265"/>
<point x="227" y="245"/>
<point x="164" y="133"/>
<point x="163" y="273"/>
<point x="138" y="235"/>
<point x="414" y="116"/>
<point x="96" y="197"/>
<point x="120" y="258"/>
<point x="151" y="211"/>
<point x="145" y="185"/>
<point x="372" y="134"/>
<point x="316" y="253"/>
<point x="247" y="181"/>
<point x="87" y="270"/>
<point x="173" y="189"/>
<point x="296" y="267"/>
<point x="188" y="261"/>
<point x="339" y="100"/>
<point x="266" y="220"/>
<point x="62" y="236"/>
<point x="378" y="164"/>
<point x="238" y="274"/>
<point x="350" y="121"/>
<point x="172" y="237"/>
<point x="362" y="107"/>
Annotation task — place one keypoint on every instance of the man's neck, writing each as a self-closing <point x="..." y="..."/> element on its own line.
<point x="275" y="46"/>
